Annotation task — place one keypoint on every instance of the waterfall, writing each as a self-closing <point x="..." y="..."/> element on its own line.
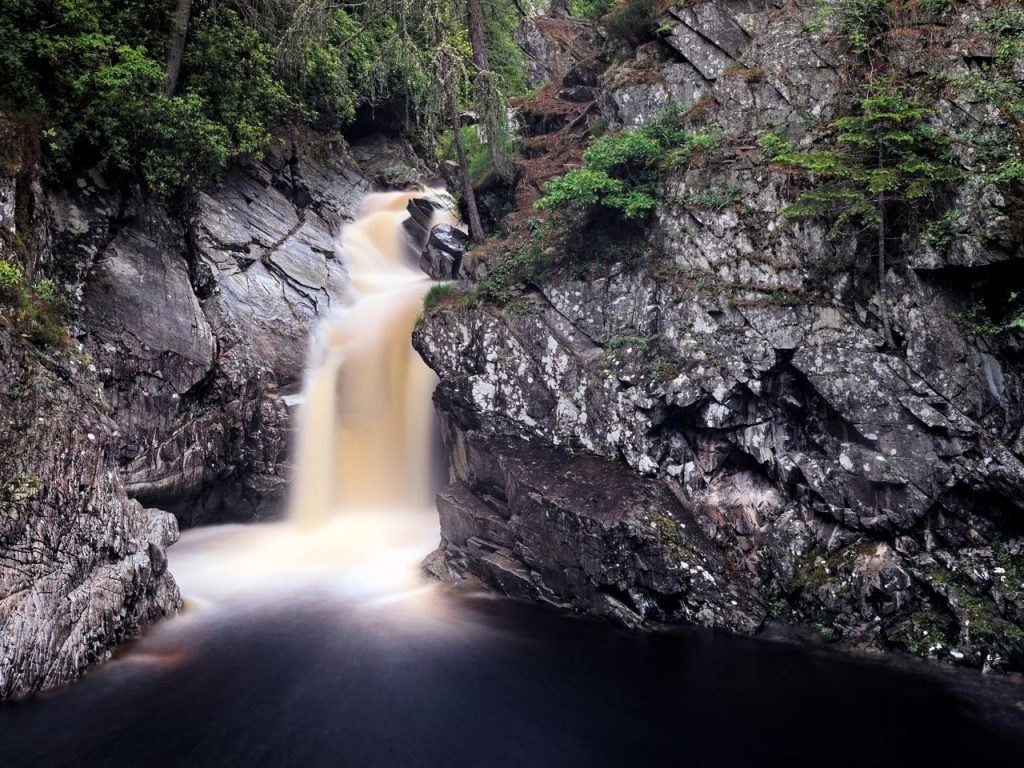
<point x="360" y="515"/>
<point x="364" y="437"/>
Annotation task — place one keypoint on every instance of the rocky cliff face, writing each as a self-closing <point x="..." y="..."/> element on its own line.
<point x="197" y="320"/>
<point x="827" y="478"/>
<point x="82" y="566"/>
<point x="188" y="334"/>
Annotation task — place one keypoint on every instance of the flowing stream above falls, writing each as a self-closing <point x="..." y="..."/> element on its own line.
<point x="318" y="641"/>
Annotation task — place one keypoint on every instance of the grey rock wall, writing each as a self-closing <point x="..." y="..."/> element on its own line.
<point x="876" y="492"/>
<point x="82" y="566"/>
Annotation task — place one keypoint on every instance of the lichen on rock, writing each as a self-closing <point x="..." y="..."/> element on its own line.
<point x="873" y="490"/>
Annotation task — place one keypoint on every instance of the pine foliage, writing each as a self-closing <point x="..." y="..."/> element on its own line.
<point x="885" y="153"/>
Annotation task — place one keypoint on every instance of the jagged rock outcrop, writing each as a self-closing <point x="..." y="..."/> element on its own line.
<point x="874" y="491"/>
<point x="82" y="566"/>
<point x="552" y="45"/>
<point x="581" y="532"/>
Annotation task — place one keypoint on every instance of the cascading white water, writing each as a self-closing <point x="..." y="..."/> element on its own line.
<point x="364" y="437"/>
<point x="360" y="514"/>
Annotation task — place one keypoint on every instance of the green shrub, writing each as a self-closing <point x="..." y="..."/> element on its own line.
<point x="10" y="281"/>
<point x="94" y="71"/>
<point x="621" y="171"/>
<point x="883" y="165"/>
<point x="590" y="9"/>
<point x="884" y="154"/>
<point x="587" y="187"/>
<point x="334" y="72"/>
<point x="860" y="22"/>
<point x="232" y="76"/>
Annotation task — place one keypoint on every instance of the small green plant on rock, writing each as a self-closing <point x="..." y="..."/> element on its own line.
<point x="664" y="370"/>
<point x="976" y="320"/>
<point x="825" y="630"/>
<point x="621" y="171"/>
<point x="36" y="312"/>
<point x="940" y="233"/>
<point x="10" y="281"/>
<point x="619" y="342"/>
<point x="18" y="488"/>
<point x="924" y="633"/>
<point x="718" y="197"/>
<point x="440" y="295"/>
<point x="590" y="9"/>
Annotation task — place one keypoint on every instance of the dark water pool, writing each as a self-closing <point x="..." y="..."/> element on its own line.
<point x="469" y="681"/>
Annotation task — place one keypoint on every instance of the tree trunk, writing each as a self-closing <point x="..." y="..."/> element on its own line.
<point x="559" y="9"/>
<point x="179" y="32"/>
<point x="476" y="228"/>
<point x="475" y="22"/>
<point x="883" y="307"/>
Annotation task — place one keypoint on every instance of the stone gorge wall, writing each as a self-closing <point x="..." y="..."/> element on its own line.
<point x="877" y="493"/>
<point x="81" y="564"/>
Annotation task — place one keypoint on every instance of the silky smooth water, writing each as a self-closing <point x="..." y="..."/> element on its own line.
<point x="334" y="676"/>
<point x="318" y="641"/>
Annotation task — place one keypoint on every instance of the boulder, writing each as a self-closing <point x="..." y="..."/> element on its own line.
<point x="441" y="258"/>
<point x="584" y="533"/>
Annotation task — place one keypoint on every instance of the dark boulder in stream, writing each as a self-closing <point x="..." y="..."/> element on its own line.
<point x="442" y="256"/>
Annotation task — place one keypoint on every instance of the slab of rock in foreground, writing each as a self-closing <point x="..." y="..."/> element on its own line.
<point x="585" y="533"/>
<point x="82" y="566"/>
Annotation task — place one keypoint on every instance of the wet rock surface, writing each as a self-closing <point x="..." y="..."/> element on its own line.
<point x="875" y="492"/>
<point x="82" y="566"/>
<point x="197" y="320"/>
